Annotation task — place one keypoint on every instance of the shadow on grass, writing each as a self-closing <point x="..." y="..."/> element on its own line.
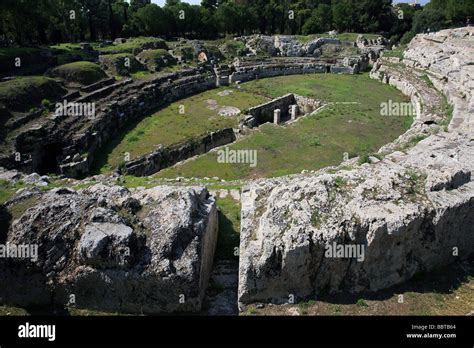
<point x="441" y="281"/>
<point x="101" y="156"/>
<point x="227" y="239"/>
<point x="47" y="310"/>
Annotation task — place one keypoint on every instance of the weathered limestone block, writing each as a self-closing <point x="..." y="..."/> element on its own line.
<point x="312" y="46"/>
<point x="106" y="244"/>
<point x="146" y="251"/>
<point x="407" y="217"/>
<point x="262" y="44"/>
<point x="306" y="105"/>
<point x="276" y="116"/>
<point x="288" y="46"/>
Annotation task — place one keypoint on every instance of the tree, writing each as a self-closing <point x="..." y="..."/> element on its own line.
<point x="151" y="20"/>
<point x="373" y="15"/>
<point x="459" y="11"/>
<point x="208" y="28"/>
<point x="428" y="19"/>
<point x="320" y="20"/>
<point x="210" y="5"/>
<point x="343" y="15"/>
<point x="403" y="22"/>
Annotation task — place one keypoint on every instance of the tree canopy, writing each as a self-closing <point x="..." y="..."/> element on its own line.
<point x="26" y="22"/>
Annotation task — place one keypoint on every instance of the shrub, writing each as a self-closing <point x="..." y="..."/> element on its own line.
<point x="407" y="37"/>
<point x="364" y="158"/>
<point x="316" y="142"/>
<point x="340" y="182"/>
<point x="45" y="103"/>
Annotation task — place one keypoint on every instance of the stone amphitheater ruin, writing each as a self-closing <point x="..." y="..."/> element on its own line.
<point x="133" y="250"/>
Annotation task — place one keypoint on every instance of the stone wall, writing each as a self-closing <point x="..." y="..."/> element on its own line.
<point x="165" y="157"/>
<point x="117" y="114"/>
<point x="343" y="70"/>
<point x="265" y="112"/>
<point x="116" y="105"/>
<point x="98" y="85"/>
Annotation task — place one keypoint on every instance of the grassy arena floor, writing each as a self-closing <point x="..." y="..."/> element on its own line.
<point x="169" y="126"/>
<point x="313" y="142"/>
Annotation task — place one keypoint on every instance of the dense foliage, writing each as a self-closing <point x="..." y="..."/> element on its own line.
<point x="51" y="21"/>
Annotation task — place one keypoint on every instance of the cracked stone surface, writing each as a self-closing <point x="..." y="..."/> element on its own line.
<point x="138" y="251"/>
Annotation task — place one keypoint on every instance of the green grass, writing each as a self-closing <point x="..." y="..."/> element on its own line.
<point x="341" y="36"/>
<point x="129" y="45"/>
<point x="353" y="36"/>
<point x="428" y="81"/>
<point x="448" y="111"/>
<point x="397" y="53"/>
<point x="232" y="48"/>
<point x="20" y="208"/>
<point x="82" y="72"/>
<point x="316" y="141"/>
<point x="140" y="75"/>
<point x="66" y="47"/>
<point x="153" y="54"/>
<point x="168" y="126"/>
<point x="71" y="52"/>
<point x="7" y="189"/>
<point x="229" y="228"/>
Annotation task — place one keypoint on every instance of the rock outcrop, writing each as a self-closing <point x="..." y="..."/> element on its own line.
<point x="108" y="248"/>
<point x="374" y="225"/>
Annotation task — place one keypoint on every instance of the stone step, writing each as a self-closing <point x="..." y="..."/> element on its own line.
<point x="221" y="296"/>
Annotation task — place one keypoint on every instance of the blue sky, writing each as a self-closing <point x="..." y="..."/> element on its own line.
<point x="197" y="2"/>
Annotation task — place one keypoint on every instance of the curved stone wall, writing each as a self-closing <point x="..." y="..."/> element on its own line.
<point x="70" y="143"/>
<point x="166" y="157"/>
